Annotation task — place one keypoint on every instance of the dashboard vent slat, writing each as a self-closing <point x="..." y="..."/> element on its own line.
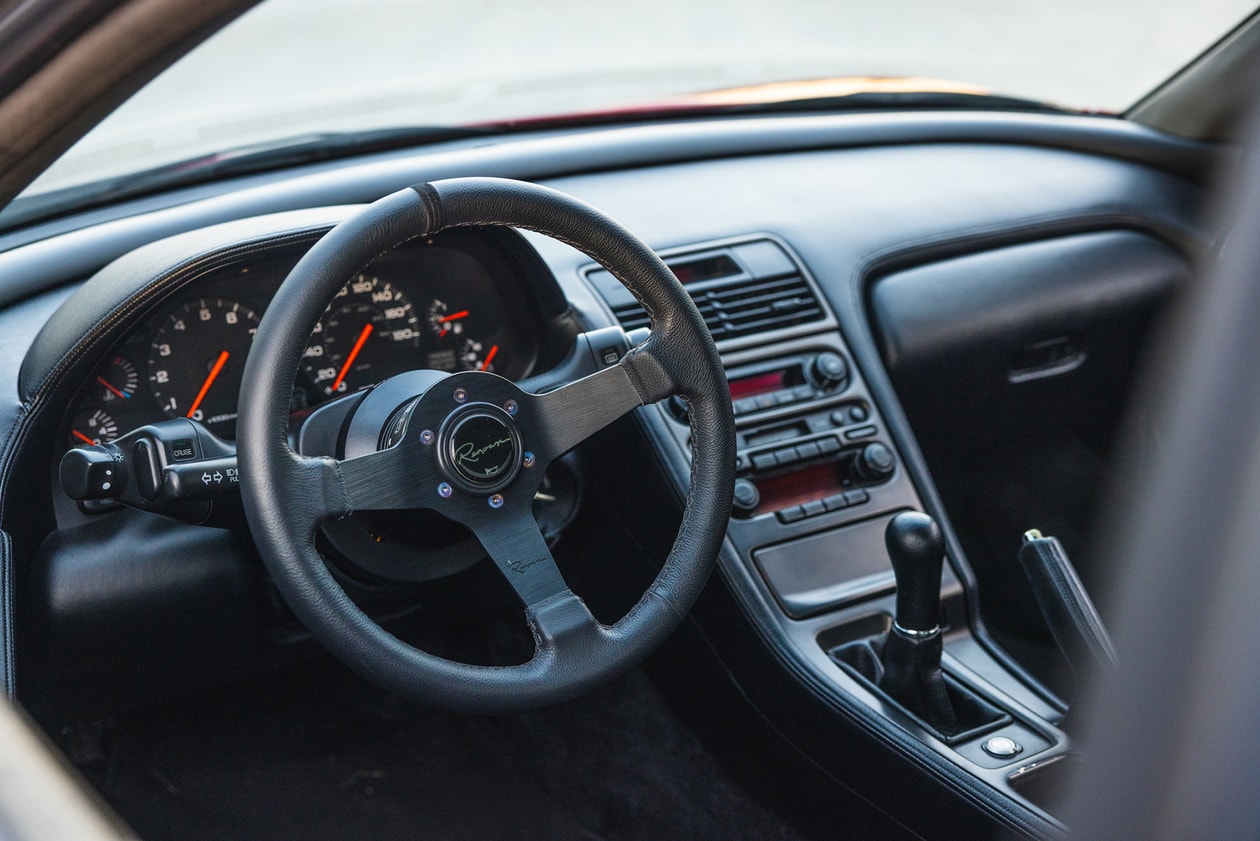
<point x="743" y="307"/>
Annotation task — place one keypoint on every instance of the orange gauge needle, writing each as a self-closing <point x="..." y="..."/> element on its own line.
<point x="354" y="352"/>
<point x="86" y="440"/>
<point x="124" y="395"/>
<point x="214" y="372"/>
<point x="455" y="316"/>
<point x="489" y="358"/>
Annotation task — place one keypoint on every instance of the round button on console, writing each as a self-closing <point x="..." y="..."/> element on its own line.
<point x="1002" y="748"/>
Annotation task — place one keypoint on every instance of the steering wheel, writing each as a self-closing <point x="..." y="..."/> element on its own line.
<point x="474" y="446"/>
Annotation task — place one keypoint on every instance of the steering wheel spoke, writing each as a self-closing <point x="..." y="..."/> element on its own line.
<point x="571" y="414"/>
<point x="389" y="479"/>
<point x="515" y="544"/>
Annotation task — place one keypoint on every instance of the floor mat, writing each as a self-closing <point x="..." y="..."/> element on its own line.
<point x="318" y="754"/>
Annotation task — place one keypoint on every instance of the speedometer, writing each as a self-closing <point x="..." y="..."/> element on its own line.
<point x="369" y="332"/>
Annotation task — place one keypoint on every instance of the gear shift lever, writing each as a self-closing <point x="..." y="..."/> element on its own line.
<point x="912" y="652"/>
<point x="917" y="551"/>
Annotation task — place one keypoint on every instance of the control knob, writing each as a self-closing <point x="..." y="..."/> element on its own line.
<point x="876" y="462"/>
<point x="829" y="370"/>
<point x="746" y="499"/>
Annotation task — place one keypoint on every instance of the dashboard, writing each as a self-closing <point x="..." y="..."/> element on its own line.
<point x="451" y="304"/>
<point x="917" y="236"/>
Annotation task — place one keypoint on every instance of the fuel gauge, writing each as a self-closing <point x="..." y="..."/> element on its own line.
<point x="476" y="355"/>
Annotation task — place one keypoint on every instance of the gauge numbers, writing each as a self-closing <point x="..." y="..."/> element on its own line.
<point x="196" y="360"/>
<point x="90" y="427"/>
<point x="369" y="332"/>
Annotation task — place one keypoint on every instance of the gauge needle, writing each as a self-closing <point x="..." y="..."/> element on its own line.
<point x="354" y="352"/>
<point x="455" y="316"/>
<point x="86" y="440"/>
<point x="214" y="372"/>
<point x="124" y="395"/>
<point x="489" y="357"/>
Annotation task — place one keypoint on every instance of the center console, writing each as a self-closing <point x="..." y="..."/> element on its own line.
<point x="820" y="478"/>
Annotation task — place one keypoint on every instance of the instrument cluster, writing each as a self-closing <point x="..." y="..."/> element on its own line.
<point x="427" y="305"/>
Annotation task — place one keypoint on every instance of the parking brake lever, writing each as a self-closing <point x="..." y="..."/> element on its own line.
<point x="1073" y="620"/>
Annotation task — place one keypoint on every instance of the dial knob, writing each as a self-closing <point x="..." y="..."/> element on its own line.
<point x="829" y="370"/>
<point x="746" y="499"/>
<point x="876" y="462"/>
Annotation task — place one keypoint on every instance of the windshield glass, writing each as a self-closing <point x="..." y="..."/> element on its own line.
<point x="290" y="68"/>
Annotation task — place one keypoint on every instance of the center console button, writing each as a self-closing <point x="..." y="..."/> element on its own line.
<point x="836" y="501"/>
<point x="807" y="451"/>
<point x="859" y="432"/>
<point x="786" y="455"/>
<point x="856" y="497"/>
<point x="829" y="445"/>
<point x="764" y="461"/>
<point x="791" y="515"/>
<point x="814" y="508"/>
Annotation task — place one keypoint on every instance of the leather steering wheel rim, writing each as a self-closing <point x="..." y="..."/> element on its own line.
<point x="287" y="496"/>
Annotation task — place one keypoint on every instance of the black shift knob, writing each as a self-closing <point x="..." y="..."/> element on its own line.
<point x="916" y="550"/>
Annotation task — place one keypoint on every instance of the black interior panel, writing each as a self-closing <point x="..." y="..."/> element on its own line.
<point x="1013" y="366"/>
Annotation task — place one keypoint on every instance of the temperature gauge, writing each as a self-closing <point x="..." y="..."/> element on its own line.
<point x="117" y="380"/>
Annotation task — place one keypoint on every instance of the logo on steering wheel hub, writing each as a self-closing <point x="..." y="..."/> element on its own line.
<point x="480" y="448"/>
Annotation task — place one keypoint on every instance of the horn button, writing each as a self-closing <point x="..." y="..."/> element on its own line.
<point x="479" y="448"/>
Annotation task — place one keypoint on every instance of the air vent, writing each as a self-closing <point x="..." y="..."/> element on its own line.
<point x="743" y="307"/>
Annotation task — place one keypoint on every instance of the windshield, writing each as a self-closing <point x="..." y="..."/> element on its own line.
<point x="292" y="68"/>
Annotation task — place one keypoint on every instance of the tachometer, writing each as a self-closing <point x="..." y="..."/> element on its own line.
<point x="196" y="360"/>
<point x="369" y="332"/>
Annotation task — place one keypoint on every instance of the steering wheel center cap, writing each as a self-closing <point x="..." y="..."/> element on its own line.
<point x="479" y="448"/>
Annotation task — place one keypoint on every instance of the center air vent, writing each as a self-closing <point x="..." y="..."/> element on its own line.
<point x="740" y="290"/>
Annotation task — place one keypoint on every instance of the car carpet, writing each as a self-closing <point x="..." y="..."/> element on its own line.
<point x="315" y="753"/>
